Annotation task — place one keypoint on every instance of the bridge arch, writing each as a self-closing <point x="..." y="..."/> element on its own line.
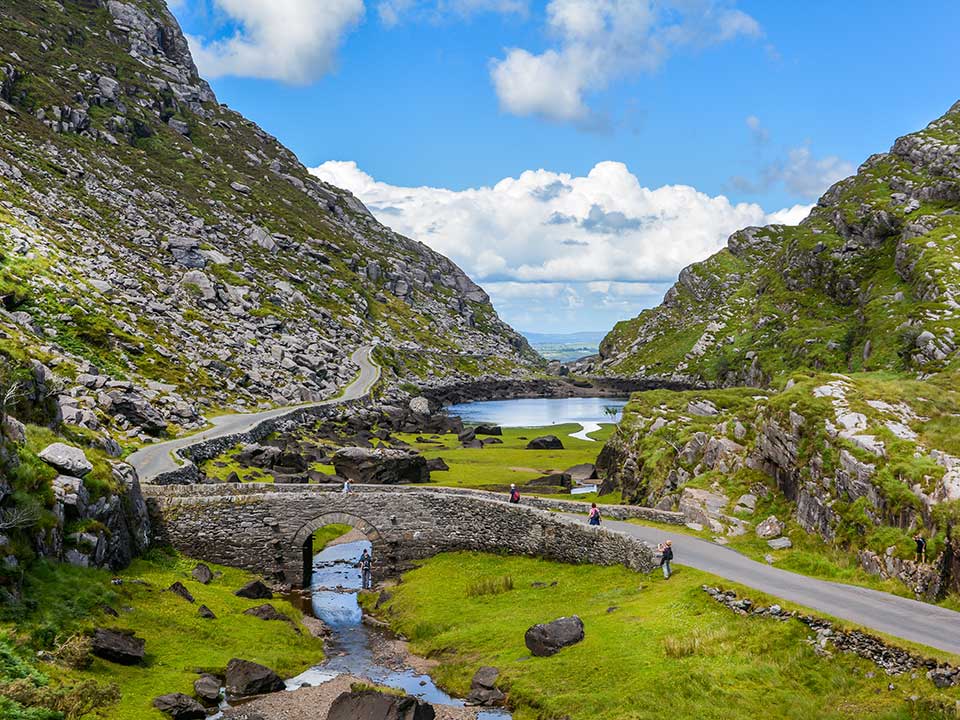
<point x="304" y="537"/>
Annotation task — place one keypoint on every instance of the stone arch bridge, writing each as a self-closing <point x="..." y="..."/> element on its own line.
<point x="267" y="528"/>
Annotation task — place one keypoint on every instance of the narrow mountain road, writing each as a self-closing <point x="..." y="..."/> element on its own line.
<point x="897" y="616"/>
<point x="154" y="460"/>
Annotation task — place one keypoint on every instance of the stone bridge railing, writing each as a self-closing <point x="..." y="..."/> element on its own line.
<point x="267" y="528"/>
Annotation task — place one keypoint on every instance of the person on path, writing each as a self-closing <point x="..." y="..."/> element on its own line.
<point x="921" y="548"/>
<point x="514" y="495"/>
<point x="594" y="517"/>
<point x="346" y="487"/>
<point x="366" y="568"/>
<point x="666" y="556"/>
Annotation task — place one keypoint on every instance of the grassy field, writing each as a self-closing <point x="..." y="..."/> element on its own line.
<point x="653" y="649"/>
<point x="179" y="643"/>
<point x="494" y="467"/>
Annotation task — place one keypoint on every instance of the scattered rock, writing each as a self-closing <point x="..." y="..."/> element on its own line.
<point x="437" y="465"/>
<point x="255" y="590"/>
<point x="483" y="690"/>
<point x="207" y="687"/>
<point x="780" y="543"/>
<point x="547" y="442"/>
<point x="121" y="647"/>
<point x="583" y="472"/>
<point x="548" y="639"/>
<point x="381" y="466"/>
<point x="202" y="574"/>
<point x="488" y="430"/>
<point x="178" y="588"/>
<point x="245" y="678"/>
<point x="67" y="459"/>
<point x="373" y="705"/>
<point x="770" y="528"/>
<point x="180" y="707"/>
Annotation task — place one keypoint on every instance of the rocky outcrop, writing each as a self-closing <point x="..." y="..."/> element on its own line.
<point x="381" y="466"/>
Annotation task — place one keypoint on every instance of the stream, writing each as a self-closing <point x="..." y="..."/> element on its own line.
<point x="334" y="588"/>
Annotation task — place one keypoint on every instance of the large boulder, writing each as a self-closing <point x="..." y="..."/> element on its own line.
<point x="550" y="638"/>
<point x="67" y="459"/>
<point x="202" y="574"/>
<point x="207" y="688"/>
<point x="373" y="705"/>
<point x="180" y="707"/>
<point x="583" y="472"/>
<point x="381" y="466"/>
<point x="557" y="480"/>
<point x="547" y="442"/>
<point x="483" y="688"/>
<point x="770" y="528"/>
<point x="437" y="465"/>
<point x="488" y="430"/>
<point x="135" y="409"/>
<point x="245" y="678"/>
<point x="120" y="647"/>
<point x="255" y="590"/>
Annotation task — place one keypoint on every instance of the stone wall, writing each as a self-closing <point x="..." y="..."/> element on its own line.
<point x="263" y="528"/>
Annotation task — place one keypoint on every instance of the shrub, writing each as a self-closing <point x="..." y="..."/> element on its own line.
<point x="490" y="586"/>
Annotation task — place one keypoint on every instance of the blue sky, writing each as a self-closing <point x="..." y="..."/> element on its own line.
<point x="753" y="107"/>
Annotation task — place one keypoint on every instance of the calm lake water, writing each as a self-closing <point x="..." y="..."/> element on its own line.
<point x="538" y="412"/>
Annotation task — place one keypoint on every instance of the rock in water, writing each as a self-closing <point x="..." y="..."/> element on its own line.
<point x="255" y="590"/>
<point x="207" y="687"/>
<point x="483" y="688"/>
<point x="202" y="574"/>
<point x="178" y="588"/>
<point x="550" y="638"/>
<point x="547" y="442"/>
<point x="119" y="647"/>
<point x="180" y="707"/>
<point x="245" y="678"/>
<point x="381" y="466"/>
<point x="373" y="705"/>
<point x="67" y="459"/>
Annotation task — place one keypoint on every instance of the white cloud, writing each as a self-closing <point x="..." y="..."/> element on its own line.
<point x="601" y="241"/>
<point x="807" y="176"/>
<point x="600" y="40"/>
<point x="290" y="40"/>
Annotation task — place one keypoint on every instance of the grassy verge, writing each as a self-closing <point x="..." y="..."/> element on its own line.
<point x="653" y="649"/>
<point x="325" y="535"/>
<point x="495" y="467"/>
<point x="179" y="644"/>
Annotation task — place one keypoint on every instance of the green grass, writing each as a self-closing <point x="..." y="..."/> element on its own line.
<point x="665" y="651"/>
<point x="179" y="644"/>
<point x="495" y="467"/>
<point x="326" y="534"/>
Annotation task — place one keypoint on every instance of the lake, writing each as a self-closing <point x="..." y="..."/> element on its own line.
<point x="589" y="412"/>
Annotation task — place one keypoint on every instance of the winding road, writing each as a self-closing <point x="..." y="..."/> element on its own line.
<point x="892" y="615"/>
<point x="154" y="460"/>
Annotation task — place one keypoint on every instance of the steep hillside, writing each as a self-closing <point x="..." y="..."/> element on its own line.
<point x="869" y="281"/>
<point x="162" y="256"/>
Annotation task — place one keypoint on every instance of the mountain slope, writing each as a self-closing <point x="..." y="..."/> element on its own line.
<point x="867" y="282"/>
<point x="165" y="256"/>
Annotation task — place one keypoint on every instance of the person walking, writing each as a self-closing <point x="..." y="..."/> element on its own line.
<point x="666" y="557"/>
<point x="514" y="495"/>
<point x="921" y="548"/>
<point x="366" y="570"/>
<point x="594" y="517"/>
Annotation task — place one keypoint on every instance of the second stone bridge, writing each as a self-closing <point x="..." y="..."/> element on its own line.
<point x="268" y="529"/>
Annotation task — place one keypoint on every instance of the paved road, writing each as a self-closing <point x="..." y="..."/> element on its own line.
<point x="153" y="460"/>
<point x="897" y="616"/>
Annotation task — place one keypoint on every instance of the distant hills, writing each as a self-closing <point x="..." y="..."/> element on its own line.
<point x="566" y="346"/>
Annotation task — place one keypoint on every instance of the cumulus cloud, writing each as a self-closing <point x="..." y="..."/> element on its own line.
<point x="601" y="243"/>
<point x="290" y="40"/>
<point x="600" y="40"/>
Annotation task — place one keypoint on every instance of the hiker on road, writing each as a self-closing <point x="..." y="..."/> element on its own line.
<point x="921" y="548"/>
<point x="514" y="495"/>
<point x="666" y="556"/>
<point x="594" y="518"/>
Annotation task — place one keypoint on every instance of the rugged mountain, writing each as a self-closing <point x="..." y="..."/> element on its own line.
<point x="844" y="332"/>
<point x="869" y="281"/>
<point x="160" y="255"/>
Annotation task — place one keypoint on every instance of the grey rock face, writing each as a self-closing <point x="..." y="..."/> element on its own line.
<point x="380" y="466"/>
<point x="67" y="459"/>
<point x="550" y="638"/>
<point x="245" y="678"/>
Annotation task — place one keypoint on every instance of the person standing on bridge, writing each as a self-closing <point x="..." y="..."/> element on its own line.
<point x="514" y="495"/>
<point x="346" y="486"/>
<point x="366" y="570"/>
<point x="666" y="557"/>
<point x="594" y="516"/>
